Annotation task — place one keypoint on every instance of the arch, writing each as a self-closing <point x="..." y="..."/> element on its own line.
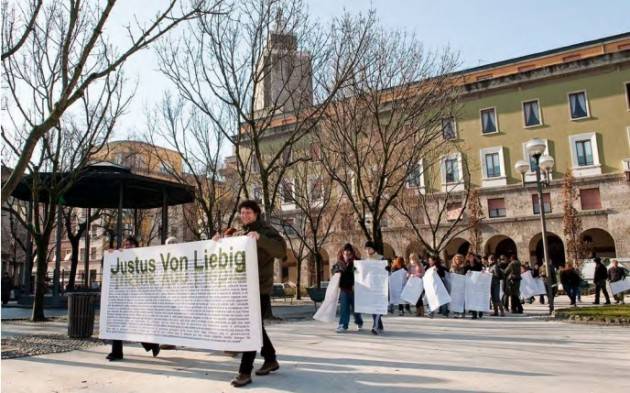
<point x="555" y="249"/>
<point x="414" y="246"/>
<point x="456" y="245"/>
<point x="598" y="243"/>
<point x="501" y="245"/>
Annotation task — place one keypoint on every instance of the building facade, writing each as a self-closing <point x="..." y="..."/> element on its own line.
<point x="577" y="100"/>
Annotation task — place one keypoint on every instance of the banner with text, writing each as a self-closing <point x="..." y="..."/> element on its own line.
<point x="202" y="294"/>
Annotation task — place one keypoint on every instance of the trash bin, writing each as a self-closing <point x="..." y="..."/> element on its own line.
<point x="81" y="314"/>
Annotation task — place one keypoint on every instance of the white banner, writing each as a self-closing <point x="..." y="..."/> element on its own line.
<point x="370" y="287"/>
<point x="412" y="290"/>
<point x="620" y="286"/>
<point x="531" y="286"/>
<point x="435" y="290"/>
<point x="202" y="294"/>
<point x="458" y="292"/>
<point x="328" y="309"/>
<point x="478" y="291"/>
<point x="396" y="283"/>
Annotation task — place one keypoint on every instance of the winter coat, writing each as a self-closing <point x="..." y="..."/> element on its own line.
<point x="600" y="272"/>
<point x="270" y="246"/>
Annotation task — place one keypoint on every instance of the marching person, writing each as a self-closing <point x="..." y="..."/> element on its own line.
<point x="117" y="345"/>
<point x="601" y="274"/>
<point x="345" y="266"/>
<point x="495" y="286"/>
<point x="570" y="280"/>
<point x="474" y="265"/>
<point x="416" y="269"/>
<point x="434" y="261"/>
<point x="399" y="263"/>
<point x="377" y="319"/>
<point x="270" y="245"/>
<point x="513" y="284"/>
<point x="617" y="273"/>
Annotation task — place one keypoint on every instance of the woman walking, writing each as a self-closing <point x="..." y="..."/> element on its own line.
<point x="399" y="264"/>
<point x="415" y="269"/>
<point x="345" y="266"/>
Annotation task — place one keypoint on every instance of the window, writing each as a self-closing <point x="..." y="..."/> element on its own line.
<point x="288" y="226"/>
<point x="416" y="177"/>
<point x="628" y="95"/>
<point x="488" y="121"/>
<point x="589" y="198"/>
<point x="546" y="203"/>
<point x="448" y="128"/>
<point x="578" y="105"/>
<point x="92" y="253"/>
<point x="584" y="152"/>
<point x="94" y="231"/>
<point x="257" y="194"/>
<point x="585" y="155"/>
<point x="493" y="166"/>
<point x="451" y="170"/>
<point x="165" y="168"/>
<point x="496" y="207"/>
<point x="317" y="189"/>
<point x="453" y="211"/>
<point x="287" y="192"/>
<point x="531" y="113"/>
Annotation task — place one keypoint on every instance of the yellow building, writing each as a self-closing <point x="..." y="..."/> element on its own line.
<point x="576" y="99"/>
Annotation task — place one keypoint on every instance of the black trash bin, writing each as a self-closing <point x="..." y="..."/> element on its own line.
<point x="81" y="307"/>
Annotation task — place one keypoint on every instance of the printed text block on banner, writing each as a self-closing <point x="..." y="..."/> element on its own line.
<point x="201" y="294"/>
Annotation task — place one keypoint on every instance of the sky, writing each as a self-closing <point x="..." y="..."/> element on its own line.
<point x="482" y="31"/>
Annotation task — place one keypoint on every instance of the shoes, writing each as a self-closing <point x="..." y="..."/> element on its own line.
<point x="241" y="380"/>
<point x="268" y="367"/>
<point x="375" y="332"/>
<point x="595" y="302"/>
<point x="168" y="347"/>
<point x="155" y="350"/>
<point x="359" y="328"/>
<point x="112" y="358"/>
<point x="401" y="313"/>
<point x="607" y="302"/>
<point x="341" y="329"/>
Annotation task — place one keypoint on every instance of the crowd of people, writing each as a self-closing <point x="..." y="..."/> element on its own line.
<point x="505" y="291"/>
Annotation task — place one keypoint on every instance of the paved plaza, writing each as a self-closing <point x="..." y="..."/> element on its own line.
<point x="513" y="354"/>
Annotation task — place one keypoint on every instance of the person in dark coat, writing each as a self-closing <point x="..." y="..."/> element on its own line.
<point x="270" y="245"/>
<point x="6" y="287"/>
<point x="570" y="280"/>
<point x="495" y="286"/>
<point x="345" y="267"/>
<point x="513" y="284"/>
<point x="117" y="345"/>
<point x="601" y="274"/>
<point x="617" y="273"/>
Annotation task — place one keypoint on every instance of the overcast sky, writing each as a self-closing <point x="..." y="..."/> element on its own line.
<point x="483" y="31"/>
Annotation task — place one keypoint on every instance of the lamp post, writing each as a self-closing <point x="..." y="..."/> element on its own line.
<point x="535" y="148"/>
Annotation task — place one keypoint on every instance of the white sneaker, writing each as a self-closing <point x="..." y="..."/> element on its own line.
<point x="341" y="329"/>
<point x="359" y="328"/>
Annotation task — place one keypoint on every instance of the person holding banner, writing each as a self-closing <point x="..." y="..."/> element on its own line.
<point x="377" y="319"/>
<point x="398" y="264"/>
<point x="117" y="345"/>
<point x="617" y="273"/>
<point x="599" y="278"/>
<point x="474" y="265"/>
<point x="570" y="280"/>
<point x="345" y="266"/>
<point x="270" y="245"/>
<point x="435" y="262"/>
<point x="416" y="269"/>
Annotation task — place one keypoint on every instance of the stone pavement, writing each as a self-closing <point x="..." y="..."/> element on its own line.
<point x="512" y="354"/>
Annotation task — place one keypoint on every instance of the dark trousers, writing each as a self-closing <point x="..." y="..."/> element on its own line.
<point x="267" y="351"/>
<point x="601" y="286"/>
<point x="117" y="347"/>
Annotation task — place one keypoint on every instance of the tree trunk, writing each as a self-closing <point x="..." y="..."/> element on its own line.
<point x="74" y="262"/>
<point x="318" y="263"/>
<point x="299" y="277"/>
<point x="40" y="279"/>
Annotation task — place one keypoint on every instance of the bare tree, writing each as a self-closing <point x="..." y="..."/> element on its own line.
<point x="180" y="126"/>
<point x="74" y="234"/>
<point x="387" y="118"/>
<point x="571" y="221"/>
<point x="435" y="210"/>
<point x="264" y="74"/>
<point x="63" y="152"/>
<point x="308" y="192"/>
<point x="61" y="54"/>
<point x="475" y="217"/>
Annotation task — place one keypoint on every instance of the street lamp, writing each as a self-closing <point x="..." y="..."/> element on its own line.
<point x="535" y="148"/>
